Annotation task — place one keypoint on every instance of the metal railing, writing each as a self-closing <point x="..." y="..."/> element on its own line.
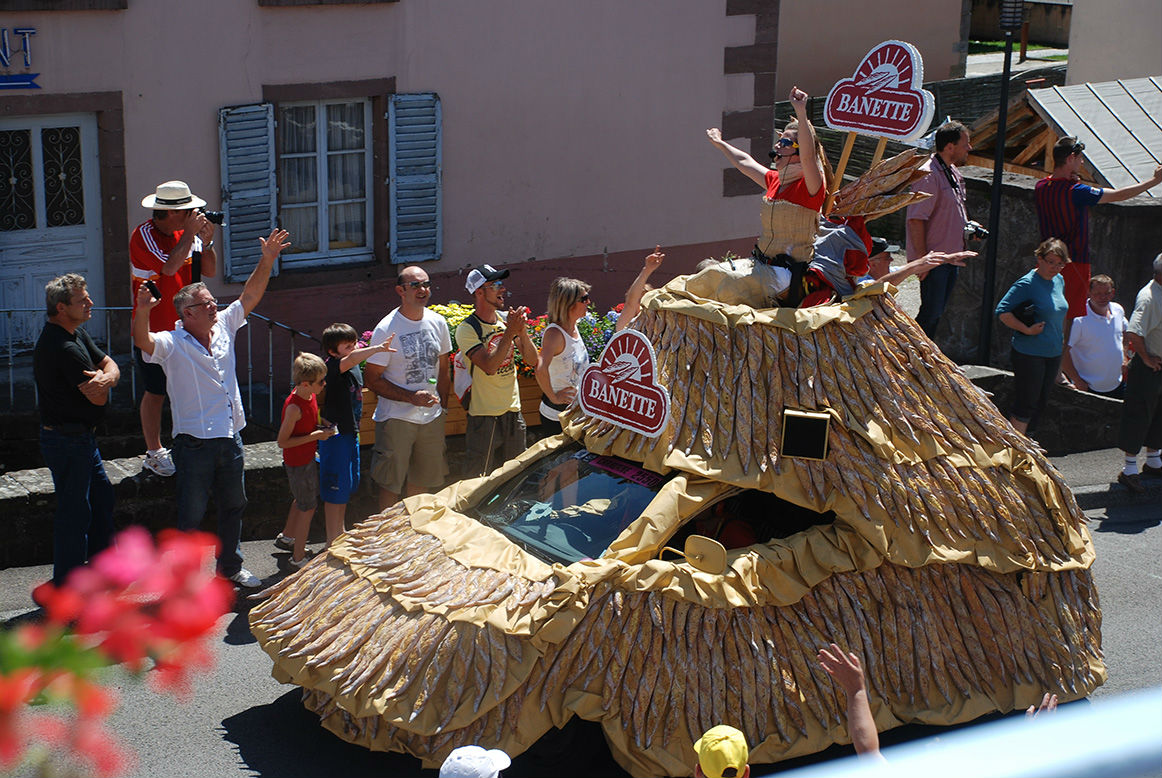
<point x="30" y="321"/>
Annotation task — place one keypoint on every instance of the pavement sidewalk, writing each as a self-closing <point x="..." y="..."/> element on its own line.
<point x="1092" y="476"/>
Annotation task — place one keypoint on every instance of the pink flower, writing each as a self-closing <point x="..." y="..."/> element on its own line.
<point x="134" y="601"/>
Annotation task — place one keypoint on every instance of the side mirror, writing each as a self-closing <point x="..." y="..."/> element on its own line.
<point x="703" y="553"/>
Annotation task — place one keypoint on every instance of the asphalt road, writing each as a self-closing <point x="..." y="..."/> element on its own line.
<point x="241" y="722"/>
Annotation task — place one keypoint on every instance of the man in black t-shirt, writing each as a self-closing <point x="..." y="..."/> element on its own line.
<point x="73" y="378"/>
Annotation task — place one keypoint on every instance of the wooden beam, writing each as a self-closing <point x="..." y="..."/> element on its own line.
<point x="1036" y="146"/>
<point x="844" y="156"/>
<point x="1008" y="167"/>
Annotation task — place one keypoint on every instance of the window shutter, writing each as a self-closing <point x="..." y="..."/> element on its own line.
<point x="414" y="194"/>
<point x="246" y="143"/>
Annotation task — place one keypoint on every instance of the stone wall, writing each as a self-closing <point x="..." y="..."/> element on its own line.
<point x="1124" y="239"/>
<point x="1073" y="421"/>
<point x="27" y="502"/>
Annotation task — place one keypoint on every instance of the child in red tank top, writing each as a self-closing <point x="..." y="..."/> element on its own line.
<point x="298" y="438"/>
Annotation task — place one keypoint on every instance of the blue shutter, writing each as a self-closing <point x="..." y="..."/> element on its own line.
<point x="414" y="191"/>
<point x="246" y="145"/>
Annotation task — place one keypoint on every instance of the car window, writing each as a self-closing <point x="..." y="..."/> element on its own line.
<point x="749" y="516"/>
<point x="570" y="505"/>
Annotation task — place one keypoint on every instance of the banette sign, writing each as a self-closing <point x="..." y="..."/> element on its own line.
<point x="621" y="388"/>
<point x="884" y="96"/>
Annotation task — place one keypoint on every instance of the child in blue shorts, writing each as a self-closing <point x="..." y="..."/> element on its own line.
<point x="343" y="406"/>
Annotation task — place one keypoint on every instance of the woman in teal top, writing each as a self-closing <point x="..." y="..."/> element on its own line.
<point x="1037" y="346"/>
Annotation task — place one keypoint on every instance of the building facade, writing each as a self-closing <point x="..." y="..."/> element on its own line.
<point x="566" y="138"/>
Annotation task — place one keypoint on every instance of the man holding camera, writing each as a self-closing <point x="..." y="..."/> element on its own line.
<point x="163" y="251"/>
<point x="938" y="222"/>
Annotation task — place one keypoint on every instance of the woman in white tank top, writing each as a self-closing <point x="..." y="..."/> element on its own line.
<point x="563" y="357"/>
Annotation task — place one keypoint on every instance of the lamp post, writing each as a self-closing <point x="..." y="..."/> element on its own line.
<point x="1012" y="16"/>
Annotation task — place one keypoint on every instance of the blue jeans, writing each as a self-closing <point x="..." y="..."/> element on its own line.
<point x="935" y="290"/>
<point x="83" y="523"/>
<point x="212" y="466"/>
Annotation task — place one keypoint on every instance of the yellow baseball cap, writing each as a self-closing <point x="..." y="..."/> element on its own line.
<point x="721" y="748"/>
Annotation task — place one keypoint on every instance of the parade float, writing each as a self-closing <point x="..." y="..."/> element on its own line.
<point x="736" y="487"/>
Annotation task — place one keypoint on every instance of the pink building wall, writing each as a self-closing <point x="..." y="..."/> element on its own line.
<point x="572" y="132"/>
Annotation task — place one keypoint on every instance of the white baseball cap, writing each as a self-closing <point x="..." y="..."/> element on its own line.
<point x="474" y="761"/>
<point x="481" y="276"/>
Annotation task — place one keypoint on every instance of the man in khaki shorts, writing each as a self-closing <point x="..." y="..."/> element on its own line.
<point x="412" y="382"/>
<point x="496" y="429"/>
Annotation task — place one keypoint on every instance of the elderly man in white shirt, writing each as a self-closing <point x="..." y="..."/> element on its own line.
<point x="205" y="402"/>
<point x="1093" y="357"/>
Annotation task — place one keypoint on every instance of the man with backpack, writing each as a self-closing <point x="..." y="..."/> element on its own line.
<point x="412" y="384"/>
<point x="496" y="429"/>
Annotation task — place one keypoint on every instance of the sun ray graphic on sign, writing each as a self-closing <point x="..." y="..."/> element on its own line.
<point x="886" y="68"/>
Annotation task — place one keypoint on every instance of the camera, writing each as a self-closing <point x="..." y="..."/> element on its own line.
<point x="975" y="231"/>
<point x="218" y="217"/>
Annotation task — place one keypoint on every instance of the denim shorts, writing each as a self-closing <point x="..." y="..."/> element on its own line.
<point x="338" y="468"/>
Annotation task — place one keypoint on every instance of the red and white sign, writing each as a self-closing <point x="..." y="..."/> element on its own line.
<point x="884" y="97"/>
<point x="621" y="387"/>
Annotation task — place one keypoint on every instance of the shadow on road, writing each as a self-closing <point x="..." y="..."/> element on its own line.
<point x="1127" y="520"/>
<point x="283" y="738"/>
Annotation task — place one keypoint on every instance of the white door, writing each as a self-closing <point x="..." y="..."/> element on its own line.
<point x="50" y="218"/>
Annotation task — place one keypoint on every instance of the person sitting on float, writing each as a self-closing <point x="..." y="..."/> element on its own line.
<point x="795" y="189"/>
<point x="847" y="257"/>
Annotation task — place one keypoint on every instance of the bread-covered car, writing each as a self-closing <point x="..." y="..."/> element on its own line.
<point x="872" y="495"/>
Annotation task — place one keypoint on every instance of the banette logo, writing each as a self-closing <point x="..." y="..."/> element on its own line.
<point x="884" y="97"/>
<point x="621" y="387"/>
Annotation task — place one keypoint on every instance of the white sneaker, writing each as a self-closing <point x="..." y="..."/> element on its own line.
<point x="246" y="579"/>
<point x="284" y="542"/>
<point x="159" y="462"/>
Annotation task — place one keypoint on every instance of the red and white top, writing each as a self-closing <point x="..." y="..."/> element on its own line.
<point x="149" y="249"/>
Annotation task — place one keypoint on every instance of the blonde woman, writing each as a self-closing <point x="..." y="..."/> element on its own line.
<point x="563" y="356"/>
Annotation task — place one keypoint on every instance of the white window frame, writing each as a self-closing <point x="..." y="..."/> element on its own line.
<point x="325" y="256"/>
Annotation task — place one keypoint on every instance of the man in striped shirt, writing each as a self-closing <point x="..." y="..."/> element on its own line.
<point x="160" y="250"/>
<point x="1063" y="204"/>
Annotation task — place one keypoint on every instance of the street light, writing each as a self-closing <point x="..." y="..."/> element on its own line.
<point x="1012" y="16"/>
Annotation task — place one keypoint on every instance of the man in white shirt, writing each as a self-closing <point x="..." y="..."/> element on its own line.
<point x="205" y="402"/>
<point x="412" y="384"/>
<point x="1093" y="357"/>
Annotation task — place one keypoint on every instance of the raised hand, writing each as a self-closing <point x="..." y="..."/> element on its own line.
<point x="844" y="667"/>
<point x="273" y="244"/>
<point x="655" y="259"/>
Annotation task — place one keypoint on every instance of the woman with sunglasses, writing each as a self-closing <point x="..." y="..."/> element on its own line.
<point x="563" y="357"/>
<point x="1034" y="308"/>
<point x="795" y="191"/>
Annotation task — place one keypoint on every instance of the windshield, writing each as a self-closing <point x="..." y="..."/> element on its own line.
<point x="570" y="505"/>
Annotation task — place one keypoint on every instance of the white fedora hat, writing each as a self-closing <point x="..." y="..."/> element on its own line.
<point x="172" y="196"/>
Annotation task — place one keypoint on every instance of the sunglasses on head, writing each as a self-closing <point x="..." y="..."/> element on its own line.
<point x="418" y="284"/>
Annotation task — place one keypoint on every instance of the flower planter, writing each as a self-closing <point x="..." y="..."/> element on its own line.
<point x="455" y="419"/>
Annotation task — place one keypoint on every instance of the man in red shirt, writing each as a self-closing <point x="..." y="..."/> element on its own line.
<point x="161" y="251"/>
<point x="1063" y="204"/>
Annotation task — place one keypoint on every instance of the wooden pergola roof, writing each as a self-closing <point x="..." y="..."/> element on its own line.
<point x="1120" y="123"/>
